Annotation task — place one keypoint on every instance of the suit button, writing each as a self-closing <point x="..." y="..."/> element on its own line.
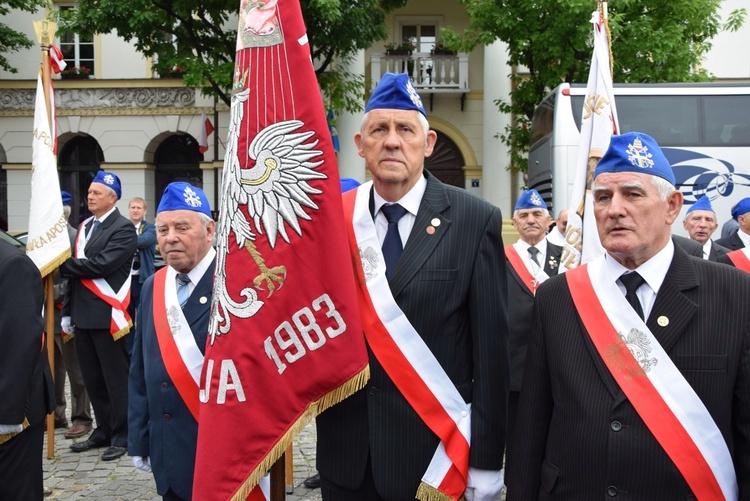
<point x="167" y="417"/>
<point x="372" y="390"/>
<point x="611" y="491"/>
<point x="615" y="425"/>
<point x="164" y="385"/>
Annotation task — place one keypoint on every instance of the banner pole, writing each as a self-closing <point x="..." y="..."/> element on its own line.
<point x="278" y="472"/>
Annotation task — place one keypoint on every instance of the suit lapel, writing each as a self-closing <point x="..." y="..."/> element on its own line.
<point x="519" y="281"/>
<point x="199" y="302"/>
<point x="552" y="259"/>
<point x="421" y="244"/>
<point x="102" y="228"/>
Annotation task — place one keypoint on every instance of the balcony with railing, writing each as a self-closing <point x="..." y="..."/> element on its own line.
<point x="430" y="73"/>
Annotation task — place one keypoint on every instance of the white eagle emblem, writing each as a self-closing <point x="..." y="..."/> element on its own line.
<point x="640" y="348"/>
<point x="274" y="192"/>
<point x="370" y="260"/>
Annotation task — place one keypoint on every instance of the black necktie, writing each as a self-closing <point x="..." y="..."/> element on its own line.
<point x="392" y="246"/>
<point x="632" y="281"/>
<point x="533" y="253"/>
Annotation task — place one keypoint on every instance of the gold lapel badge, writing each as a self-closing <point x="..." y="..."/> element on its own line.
<point x="203" y="300"/>
<point x="662" y="321"/>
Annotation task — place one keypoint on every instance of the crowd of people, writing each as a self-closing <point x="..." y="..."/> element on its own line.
<point x="627" y="377"/>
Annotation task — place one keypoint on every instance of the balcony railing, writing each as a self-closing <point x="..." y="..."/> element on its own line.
<point x="430" y="73"/>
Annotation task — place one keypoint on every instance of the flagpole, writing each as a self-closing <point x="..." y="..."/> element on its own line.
<point x="45" y="33"/>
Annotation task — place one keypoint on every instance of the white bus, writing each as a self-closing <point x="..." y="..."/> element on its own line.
<point x="703" y="129"/>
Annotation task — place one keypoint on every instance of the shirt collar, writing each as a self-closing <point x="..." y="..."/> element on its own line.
<point x="542" y="246"/>
<point x="105" y="216"/>
<point x="653" y="271"/>
<point x="707" y="249"/>
<point x="200" y="269"/>
<point x="410" y="201"/>
<point x="744" y="237"/>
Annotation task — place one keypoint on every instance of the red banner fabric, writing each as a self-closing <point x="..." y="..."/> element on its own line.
<point x="285" y="340"/>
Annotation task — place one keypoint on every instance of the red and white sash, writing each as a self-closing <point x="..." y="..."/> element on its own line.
<point x="119" y="301"/>
<point x="179" y="351"/>
<point x="740" y="258"/>
<point x="665" y="401"/>
<point x="406" y="358"/>
<point x="529" y="280"/>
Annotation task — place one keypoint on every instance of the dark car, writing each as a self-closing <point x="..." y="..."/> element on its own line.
<point x="12" y="240"/>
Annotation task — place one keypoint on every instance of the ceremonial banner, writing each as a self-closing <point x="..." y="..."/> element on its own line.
<point x="47" y="244"/>
<point x="285" y="340"/>
<point x="598" y="124"/>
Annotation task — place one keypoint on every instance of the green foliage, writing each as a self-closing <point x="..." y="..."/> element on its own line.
<point x="10" y="39"/>
<point x="652" y="41"/>
<point x="200" y="36"/>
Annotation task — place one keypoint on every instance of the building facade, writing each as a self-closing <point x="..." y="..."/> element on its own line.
<point x="127" y="119"/>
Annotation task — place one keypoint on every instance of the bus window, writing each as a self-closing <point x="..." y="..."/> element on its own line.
<point x="541" y="122"/>
<point x="726" y="120"/>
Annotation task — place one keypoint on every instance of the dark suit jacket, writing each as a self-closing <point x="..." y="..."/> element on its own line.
<point x="146" y="246"/>
<point x="578" y="436"/>
<point x="109" y="254"/>
<point x="451" y="285"/>
<point x="732" y="242"/>
<point x="25" y="379"/>
<point x="717" y="251"/>
<point x="152" y="395"/>
<point x="520" y="308"/>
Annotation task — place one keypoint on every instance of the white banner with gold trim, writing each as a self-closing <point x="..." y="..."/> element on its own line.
<point x="48" y="244"/>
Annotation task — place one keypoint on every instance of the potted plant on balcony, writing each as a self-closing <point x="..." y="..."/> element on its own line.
<point x="76" y="73"/>
<point x="404" y="48"/>
<point x="441" y="50"/>
<point x="174" y="72"/>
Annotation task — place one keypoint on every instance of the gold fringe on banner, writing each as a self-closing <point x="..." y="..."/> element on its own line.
<point x="348" y="388"/>
<point x="55" y="263"/>
<point x="4" y="437"/>
<point x="117" y="335"/>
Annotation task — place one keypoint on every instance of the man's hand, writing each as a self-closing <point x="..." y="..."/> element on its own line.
<point x="484" y="485"/>
<point x="142" y="463"/>
<point x="66" y="326"/>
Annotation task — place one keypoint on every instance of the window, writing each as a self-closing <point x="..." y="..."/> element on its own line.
<point x="422" y="31"/>
<point x="77" y="50"/>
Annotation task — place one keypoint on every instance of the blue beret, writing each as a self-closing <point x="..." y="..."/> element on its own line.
<point x="348" y="183"/>
<point x="742" y="207"/>
<point x="703" y="203"/>
<point x="66" y="197"/>
<point x="530" y="199"/>
<point x="109" y="179"/>
<point x="184" y="196"/>
<point x="635" y="152"/>
<point x="396" y="92"/>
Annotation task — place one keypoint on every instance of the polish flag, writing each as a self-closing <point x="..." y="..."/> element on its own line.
<point x="56" y="61"/>
<point x="206" y="129"/>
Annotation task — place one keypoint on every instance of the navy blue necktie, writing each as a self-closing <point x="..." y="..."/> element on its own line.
<point x="183" y="293"/>
<point x="632" y="281"/>
<point x="94" y="227"/>
<point x="392" y="246"/>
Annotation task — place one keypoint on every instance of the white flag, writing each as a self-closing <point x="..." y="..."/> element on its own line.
<point x="206" y="129"/>
<point x="47" y="244"/>
<point x="598" y="124"/>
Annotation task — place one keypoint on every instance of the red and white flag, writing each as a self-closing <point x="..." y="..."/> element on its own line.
<point x="285" y="340"/>
<point x="56" y="61"/>
<point x="206" y="129"/>
<point x="47" y="244"/>
<point x="599" y="123"/>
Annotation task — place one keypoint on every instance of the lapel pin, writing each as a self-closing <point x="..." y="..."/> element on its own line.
<point x="203" y="300"/>
<point x="662" y="321"/>
<point x="430" y="230"/>
<point x="435" y="222"/>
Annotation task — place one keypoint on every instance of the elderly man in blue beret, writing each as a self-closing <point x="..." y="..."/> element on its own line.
<point x="168" y="355"/>
<point x="96" y="308"/>
<point x="700" y="223"/>
<point x="636" y="382"/>
<point x="741" y="238"/>
<point x="435" y="269"/>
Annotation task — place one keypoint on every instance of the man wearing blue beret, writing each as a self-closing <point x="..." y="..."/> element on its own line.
<point x="636" y="382"/>
<point x="530" y="261"/>
<point x="741" y="238"/>
<point x="435" y="270"/>
<point x="700" y="223"/>
<point x="96" y="308"/>
<point x="164" y="352"/>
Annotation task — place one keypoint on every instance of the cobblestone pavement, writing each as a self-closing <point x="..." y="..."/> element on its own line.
<point x="75" y="476"/>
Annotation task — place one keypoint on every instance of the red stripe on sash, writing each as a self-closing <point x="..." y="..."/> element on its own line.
<point x="520" y="268"/>
<point x="739" y="259"/>
<point x="176" y="368"/>
<point x="113" y="302"/>
<point x="406" y="379"/>
<point x="639" y="390"/>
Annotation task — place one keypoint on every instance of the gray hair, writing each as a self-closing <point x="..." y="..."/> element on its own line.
<point x="422" y="121"/>
<point x="204" y="219"/>
<point x="663" y="187"/>
<point x="515" y="212"/>
<point x="66" y="211"/>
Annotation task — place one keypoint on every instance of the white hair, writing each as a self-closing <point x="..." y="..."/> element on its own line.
<point x="663" y="187"/>
<point x="204" y="219"/>
<point x="422" y="121"/>
<point x="515" y="212"/>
